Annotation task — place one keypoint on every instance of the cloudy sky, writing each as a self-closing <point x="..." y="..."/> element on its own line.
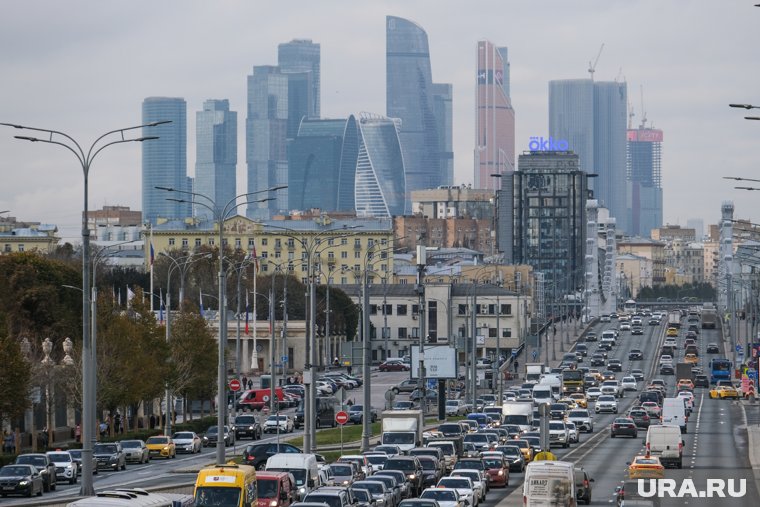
<point x="84" y="67"/>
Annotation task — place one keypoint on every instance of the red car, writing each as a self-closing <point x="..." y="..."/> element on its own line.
<point x="394" y="365"/>
<point x="497" y="469"/>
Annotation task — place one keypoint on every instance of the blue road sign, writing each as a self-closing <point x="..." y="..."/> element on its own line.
<point x="534" y="354"/>
<point x="284" y="359"/>
<point x="738" y="348"/>
<point x="514" y="353"/>
<point x="752" y="374"/>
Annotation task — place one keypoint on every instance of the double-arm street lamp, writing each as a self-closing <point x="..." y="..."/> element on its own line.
<point x="85" y="159"/>
<point x="747" y="107"/>
<point x="220" y="214"/>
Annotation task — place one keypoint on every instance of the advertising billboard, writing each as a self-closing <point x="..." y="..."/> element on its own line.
<point x="645" y="135"/>
<point x="440" y="361"/>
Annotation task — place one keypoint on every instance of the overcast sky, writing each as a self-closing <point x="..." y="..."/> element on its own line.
<point x="84" y="67"/>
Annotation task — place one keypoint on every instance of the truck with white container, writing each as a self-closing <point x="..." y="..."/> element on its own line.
<point x="402" y="428"/>
<point x="554" y="381"/>
<point x="519" y="413"/>
<point x="533" y="372"/>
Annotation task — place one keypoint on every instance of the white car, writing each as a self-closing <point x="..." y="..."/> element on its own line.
<point x="558" y="434"/>
<point x="446" y="497"/>
<point x="666" y="359"/>
<point x="612" y="387"/>
<point x="689" y="397"/>
<point x="670" y="342"/>
<point x="285" y="423"/>
<point x="187" y="441"/>
<point x="625" y="326"/>
<point x="629" y="384"/>
<point x="65" y="467"/>
<point x="592" y="393"/>
<point x="463" y="486"/>
<point x="582" y="419"/>
<point x="572" y="431"/>
<point x="456" y="407"/>
<point x="478" y="481"/>
<point x="606" y="403"/>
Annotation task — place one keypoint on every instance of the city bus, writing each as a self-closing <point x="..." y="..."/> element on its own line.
<point x="629" y="307"/>
<point x="720" y="369"/>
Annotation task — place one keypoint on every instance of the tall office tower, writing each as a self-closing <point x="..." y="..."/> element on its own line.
<point x="591" y="117"/>
<point x="302" y="55"/>
<point x="265" y="139"/>
<point x="442" y="103"/>
<point x="299" y="100"/>
<point x="495" y="118"/>
<point x="164" y="160"/>
<point x="644" y="155"/>
<point x="380" y="189"/>
<point x="215" y="155"/>
<point x="322" y="165"/>
<point x="410" y="97"/>
<point x="550" y="193"/>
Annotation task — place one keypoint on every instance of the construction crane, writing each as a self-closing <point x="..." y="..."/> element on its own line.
<point x="643" y="111"/>
<point x="592" y="66"/>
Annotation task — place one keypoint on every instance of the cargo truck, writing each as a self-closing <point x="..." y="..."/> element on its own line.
<point x="533" y="372"/>
<point x="674" y="319"/>
<point x="519" y="413"/>
<point x="709" y="318"/>
<point x="683" y="370"/>
<point x="402" y="428"/>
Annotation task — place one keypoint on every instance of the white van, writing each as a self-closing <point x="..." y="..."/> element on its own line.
<point x="549" y="483"/>
<point x="666" y="443"/>
<point x="303" y="466"/>
<point x="674" y="412"/>
<point x="542" y="393"/>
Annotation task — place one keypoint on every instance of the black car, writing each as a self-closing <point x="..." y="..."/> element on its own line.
<point x="597" y="360"/>
<point x="606" y="345"/>
<point x="635" y="355"/>
<point x="432" y="468"/>
<point x="43" y="464"/>
<point x="701" y="381"/>
<point x="623" y="426"/>
<point x="356" y="414"/>
<point x="712" y="348"/>
<point x="110" y="455"/>
<point x="667" y="369"/>
<point x="654" y="322"/>
<point x="637" y="330"/>
<point x="22" y="480"/>
<point x="247" y="425"/>
<point x="583" y="485"/>
<point x="591" y="336"/>
<point x="212" y="436"/>
<point x="412" y="467"/>
<point x="615" y="365"/>
<point x="514" y="457"/>
<point x="638" y="375"/>
<point x="582" y="349"/>
<point x="257" y="455"/>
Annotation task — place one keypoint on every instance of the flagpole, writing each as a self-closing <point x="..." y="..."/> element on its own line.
<point x="255" y="358"/>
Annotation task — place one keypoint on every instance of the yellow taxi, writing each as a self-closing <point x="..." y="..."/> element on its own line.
<point x="569" y="401"/>
<point x="580" y="399"/>
<point x="646" y="467"/>
<point x="672" y="331"/>
<point x="691" y="359"/>
<point x="525" y="448"/>
<point x="161" y="446"/>
<point x="597" y="374"/>
<point x="720" y="392"/>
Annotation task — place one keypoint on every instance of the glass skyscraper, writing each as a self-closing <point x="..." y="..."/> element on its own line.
<point x="380" y="189"/>
<point x="266" y="139"/>
<point x="411" y="97"/>
<point x="215" y="155"/>
<point x="164" y="160"/>
<point x="302" y="55"/>
<point x="591" y="117"/>
<point x="644" y="180"/>
<point x="322" y="165"/>
<point x="495" y="118"/>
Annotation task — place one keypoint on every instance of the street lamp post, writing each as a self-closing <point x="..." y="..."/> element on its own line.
<point x="220" y="213"/>
<point x="85" y="160"/>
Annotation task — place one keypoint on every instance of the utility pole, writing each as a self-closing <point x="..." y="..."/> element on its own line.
<point x="421" y="262"/>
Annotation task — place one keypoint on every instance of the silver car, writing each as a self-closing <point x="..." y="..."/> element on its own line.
<point x="187" y="441"/>
<point x="135" y="451"/>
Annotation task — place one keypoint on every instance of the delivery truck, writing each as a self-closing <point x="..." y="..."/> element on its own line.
<point x="402" y="428"/>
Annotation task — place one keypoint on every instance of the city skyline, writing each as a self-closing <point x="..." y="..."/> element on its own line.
<point x="694" y="61"/>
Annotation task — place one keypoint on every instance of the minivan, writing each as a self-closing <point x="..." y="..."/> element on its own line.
<point x="674" y="412"/>
<point x="666" y="443"/>
<point x="275" y="487"/>
<point x="303" y="467"/>
<point x="549" y="483"/>
<point x="235" y="482"/>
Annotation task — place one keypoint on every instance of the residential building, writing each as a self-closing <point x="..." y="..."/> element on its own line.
<point x="266" y="140"/>
<point x="673" y="232"/>
<point x="411" y="97"/>
<point x="636" y="272"/>
<point x="381" y="179"/>
<point x="644" y="179"/>
<point x="457" y="201"/>
<point x="451" y="232"/>
<point x="590" y="116"/>
<point x="549" y="203"/>
<point x="18" y="236"/>
<point x="112" y="216"/>
<point x="649" y="249"/>
<point x="164" y="160"/>
<point x="215" y="156"/>
<point x="495" y="118"/>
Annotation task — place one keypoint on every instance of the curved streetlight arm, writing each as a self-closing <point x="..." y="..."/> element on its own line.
<point x="226" y="209"/>
<point x="744" y="106"/>
<point x="737" y="178"/>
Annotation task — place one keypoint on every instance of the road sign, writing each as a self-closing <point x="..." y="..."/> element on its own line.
<point x="234" y="385"/>
<point x="284" y="359"/>
<point x="341" y="417"/>
<point x="738" y="348"/>
<point x="534" y="354"/>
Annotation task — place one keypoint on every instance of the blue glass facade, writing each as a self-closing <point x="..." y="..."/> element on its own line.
<point x="380" y="173"/>
<point x="164" y="160"/>
<point x="410" y="96"/>
<point x="215" y="155"/>
<point x="302" y="55"/>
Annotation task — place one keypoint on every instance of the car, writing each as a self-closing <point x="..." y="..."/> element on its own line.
<point x="136" y="451"/>
<point x="672" y="331"/>
<point x="570" y="402"/>
<point x="404" y="405"/>
<point x="161" y="446"/>
<point x="670" y="342"/>
<point x="66" y="469"/>
<point x="604" y="318"/>
<point x="623" y="426"/>
<point x="247" y="425"/>
<point x="582" y="419"/>
<point x="608" y="375"/>
<point x="615" y="365"/>
<point x="598" y="360"/>
<point x="606" y="403"/>
<point x="44" y="466"/>
<point x="478" y="477"/>
<point x="18" y="479"/>
<point x="431" y="395"/>
<point x="380" y="492"/>
<point x="712" y="348"/>
<point x="638" y="374"/>
<point x="580" y="400"/>
<point x="514" y="457"/>
<point x="558" y="434"/>
<point x="76" y="454"/>
<point x="593" y="393"/>
<point x="646" y="467"/>
<point x="456" y="407"/>
<point x="688" y="397"/>
<point x="411" y="466"/>
<point x="463" y="485"/>
<point x="591" y="336"/>
<point x="582" y="348"/>
<point x="256" y="455"/>
<point x="635" y="355"/>
<point x="691" y="359"/>
<point x="187" y="441"/>
<point x="685" y="383"/>
<point x="497" y="468"/>
<point x="653" y="409"/>
<point x="667" y="369"/>
<point x="583" y="485"/>
<point x="701" y="380"/>
<point x="629" y="383"/>
<point x="625" y="326"/>
<point x="394" y="365"/>
<point x="613" y="388"/>
<point x="640" y="417"/>
<point x="654" y="321"/>
<point x="211" y="437"/>
<point x="443" y="497"/>
<point x="110" y="455"/>
<point x="636" y="329"/>
<point x="278" y="423"/>
<point x="406" y="386"/>
<point x="356" y="414"/>
<point x="721" y="392"/>
<point x="572" y="431"/>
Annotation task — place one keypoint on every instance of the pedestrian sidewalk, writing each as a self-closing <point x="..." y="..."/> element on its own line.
<point x="555" y="345"/>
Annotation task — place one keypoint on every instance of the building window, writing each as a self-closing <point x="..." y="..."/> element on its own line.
<point x="344" y="255"/>
<point x="402" y="333"/>
<point x="462" y="332"/>
<point x="305" y="280"/>
<point x="383" y="241"/>
<point x="383" y="255"/>
<point x="343" y="241"/>
<point x="330" y="256"/>
<point x="331" y="241"/>
<point x="343" y="280"/>
<point x="184" y="242"/>
<point x="358" y="255"/>
<point x="400" y="309"/>
<point x="383" y="267"/>
<point x="224" y="242"/>
<point x="506" y="332"/>
<point x="357" y="267"/>
<point x="291" y="268"/>
<point x="277" y="254"/>
<point x="264" y="241"/>
<point x="251" y="244"/>
<point x="373" y="309"/>
<point x="265" y="267"/>
<point x="388" y="309"/>
<point x="357" y="243"/>
<point x="403" y="281"/>
<point x="291" y="243"/>
<point x="7" y="247"/>
<point x="415" y="333"/>
<point x="197" y="242"/>
<point x="20" y="247"/>
<point x="291" y="256"/>
<point x="386" y="332"/>
<point x="304" y="267"/>
<point x="278" y="243"/>
<point x="492" y="332"/>
<point x="415" y="309"/>
<point x="462" y="309"/>
<point x="211" y="241"/>
<point x="506" y="309"/>
<point x="171" y="241"/>
<point x="264" y="254"/>
<point x="491" y="309"/>
<point x="238" y="243"/>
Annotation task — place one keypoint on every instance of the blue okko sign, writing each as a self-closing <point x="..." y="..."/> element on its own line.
<point x="547" y="144"/>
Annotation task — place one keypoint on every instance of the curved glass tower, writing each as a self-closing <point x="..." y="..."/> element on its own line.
<point x="380" y="174"/>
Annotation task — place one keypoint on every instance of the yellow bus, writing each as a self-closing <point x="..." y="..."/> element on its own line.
<point x="226" y="484"/>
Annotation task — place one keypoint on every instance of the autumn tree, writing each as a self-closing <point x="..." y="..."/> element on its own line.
<point x="15" y="378"/>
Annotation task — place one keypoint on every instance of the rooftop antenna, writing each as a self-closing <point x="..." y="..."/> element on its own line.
<point x="631" y="114"/>
<point x="619" y="75"/>
<point x="592" y="66"/>
<point x="643" y="111"/>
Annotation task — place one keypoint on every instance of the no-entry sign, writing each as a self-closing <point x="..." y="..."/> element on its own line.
<point x="234" y="385"/>
<point x="341" y="417"/>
